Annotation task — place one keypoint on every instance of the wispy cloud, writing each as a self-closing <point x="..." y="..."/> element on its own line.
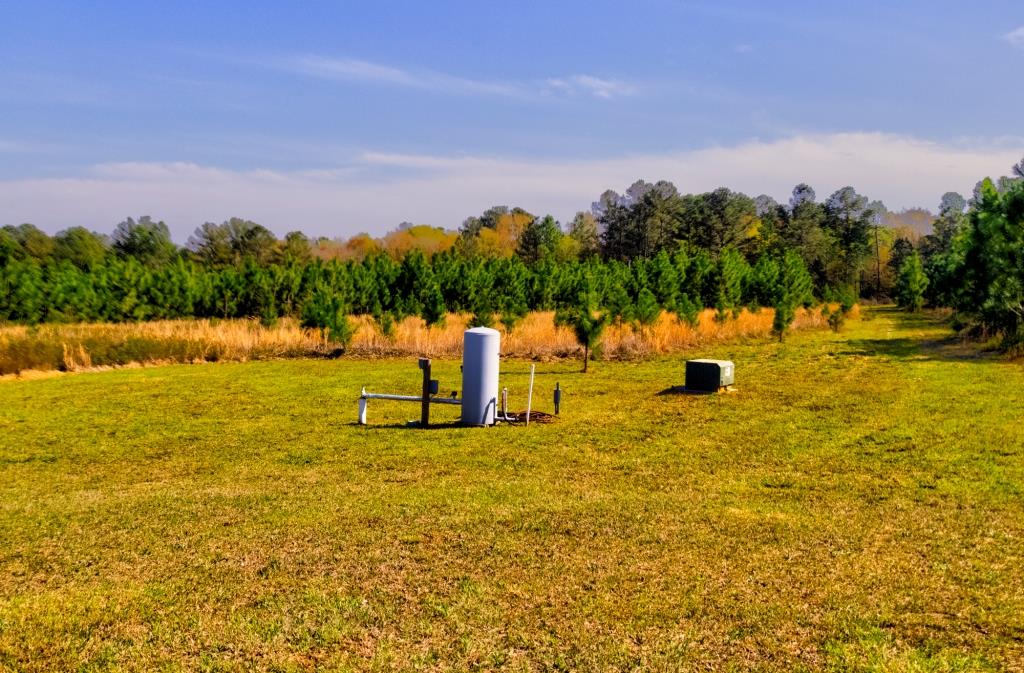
<point x="594" y="86"/>
<point x="375" y="191"/>
<point x="1015" y="37"/>
<point x="348" y="69"/>
<point x="357" y="70"/>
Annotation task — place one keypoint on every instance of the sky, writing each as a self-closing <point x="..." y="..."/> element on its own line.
<point x="343" y="117"/>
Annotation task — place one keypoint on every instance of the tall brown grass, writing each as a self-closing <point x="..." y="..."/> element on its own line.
<point x="80" y="347"/>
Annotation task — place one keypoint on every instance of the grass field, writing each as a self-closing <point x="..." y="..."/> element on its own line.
<point x="857" y="505"/>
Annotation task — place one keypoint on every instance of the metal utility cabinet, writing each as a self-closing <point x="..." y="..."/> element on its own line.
<point x="709" y="376"/>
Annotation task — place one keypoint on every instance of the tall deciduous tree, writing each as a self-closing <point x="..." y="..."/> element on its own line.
<point x="83" y="248"/>
<point x="583" y="230"/>
<point x="147" y="241"/>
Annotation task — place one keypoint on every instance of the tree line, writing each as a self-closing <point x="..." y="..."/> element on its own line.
<point x="973" y="261"/>
<point x="630" y="257"/>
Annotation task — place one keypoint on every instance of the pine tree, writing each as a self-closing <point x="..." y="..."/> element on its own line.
<point x="989" y="261"/>
<point x="385" y="322"/>
<point x="433" y="310"/>
<point x="647" y="310"/>
<point x="731" y="271"/>
<point x="688" y="310"/>
<point x="483" y="311"/>
<point x="664" y="281"/>
<point x="327" y="311"/>
<point x="586" y="322"/>
<point x="911" y="284"/>
<point x="792" y="289"/>
<point x="764" y="280"/>
<point x="511" y="283"/>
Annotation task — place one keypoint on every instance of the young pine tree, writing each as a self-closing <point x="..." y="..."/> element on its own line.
<point x="326" y="310"/>
<point x="664" y="281"/>
<point x="432" y="306"/>
<point x="732" y="271"/>
<point x="911" y="284"/>
<point x="586" y="322"/>
<point x="647" y="311"/>
<point x="792" y="289"/>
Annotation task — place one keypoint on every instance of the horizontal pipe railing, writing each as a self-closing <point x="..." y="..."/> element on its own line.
<point x="408" y="398"/>
<point x="399" y="398"/>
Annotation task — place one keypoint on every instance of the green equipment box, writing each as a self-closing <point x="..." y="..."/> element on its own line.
<point x="709" y="376"/>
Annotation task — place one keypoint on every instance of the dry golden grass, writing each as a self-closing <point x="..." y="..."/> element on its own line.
<point x="537" y="336"/>
<point x="80" y="347"/>
<point x="83" y="347"/>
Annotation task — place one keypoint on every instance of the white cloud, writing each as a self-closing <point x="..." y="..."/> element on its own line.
<point x="588" y="84"/>
<point x="354" y="70"/>
<point x="379" y="190"/>
<point x="743" y="48"/>
<point x="1015" y="37"/>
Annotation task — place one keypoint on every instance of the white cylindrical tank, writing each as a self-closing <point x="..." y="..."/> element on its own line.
<point x="480" y="348"/>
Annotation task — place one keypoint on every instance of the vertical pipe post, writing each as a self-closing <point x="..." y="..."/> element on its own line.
<point x="529" y="399"/>
<point x="558" y="397"/>
<point x="504" y="403"/>
<point x="425" y="403"/>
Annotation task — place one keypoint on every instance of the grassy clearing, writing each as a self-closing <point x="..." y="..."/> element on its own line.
<point x="85" y="347"/>
<point x="856" y="506"/>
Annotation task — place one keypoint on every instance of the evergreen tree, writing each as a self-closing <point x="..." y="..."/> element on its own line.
<point x="617" y="302"/>
<point x="584" y="318"/>
<point x="791" y="291"/>
<point x="327" y="311"/>
<point x="732" y="271"/>
<point x="664" y="281"/>
<point x="538" y="239"/>
<point x="911" y="284"/>
<point x="26" y="295"/>
<point x="433" y="310"/>
<point x="764" y="280"/>
<point x="901" y="249"/>
<point x="647" y="310"/>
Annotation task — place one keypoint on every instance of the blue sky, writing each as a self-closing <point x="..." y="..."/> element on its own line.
<point x="344" y="117"/>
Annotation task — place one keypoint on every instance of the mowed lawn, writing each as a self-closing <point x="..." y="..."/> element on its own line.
<point x="858" y="504"/>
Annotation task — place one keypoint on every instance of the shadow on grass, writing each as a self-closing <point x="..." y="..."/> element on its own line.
<point x="415" y="425"/>
<point x="902" y="348"/>
<point x="681" y="390"/>
<point x="950" y="348"/>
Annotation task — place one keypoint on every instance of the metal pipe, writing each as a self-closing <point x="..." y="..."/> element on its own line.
<point x="425" y="398"/>
<point x="529" y="398"/>
<point x="408" y="398"/>
<point x="399" y="398"/>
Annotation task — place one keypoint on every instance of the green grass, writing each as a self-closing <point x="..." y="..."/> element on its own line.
<point x="857" y="505"/>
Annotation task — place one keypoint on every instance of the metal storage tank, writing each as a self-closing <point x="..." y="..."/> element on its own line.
<point x="480" y="349"/>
